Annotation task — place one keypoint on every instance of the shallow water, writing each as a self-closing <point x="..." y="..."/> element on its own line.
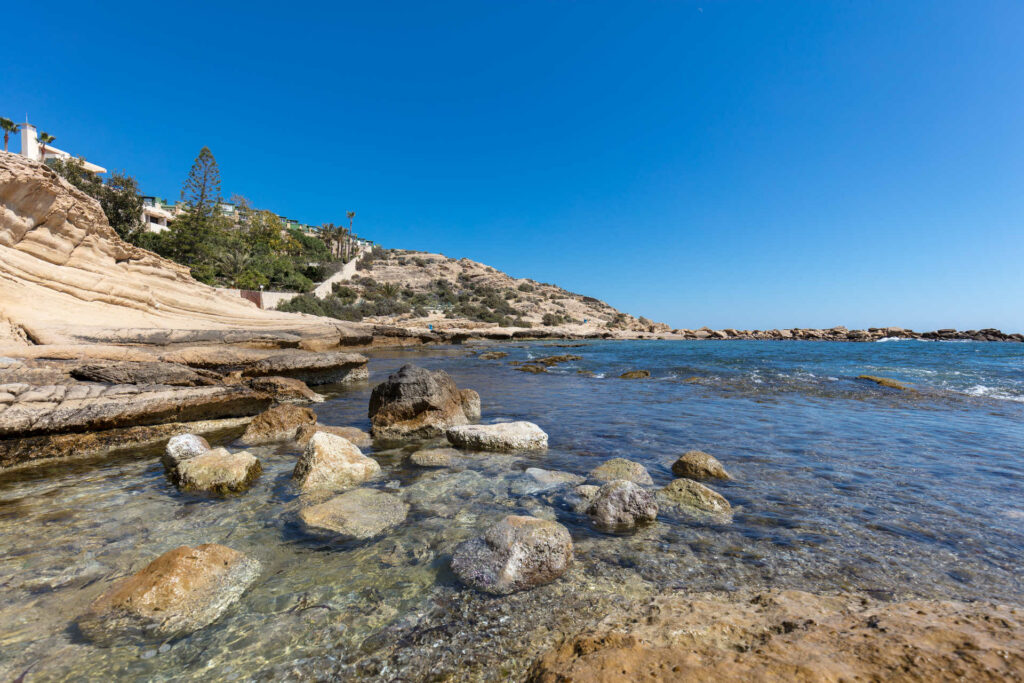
<point x="839" y="484"/>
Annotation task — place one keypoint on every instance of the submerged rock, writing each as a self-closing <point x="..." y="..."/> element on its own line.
<point x="357" y="514"/>
<point x="622" y="504"/>
<point x="182" y="447"/>
<point x="621" y="468"/>
<point x="433" y="457"/>
<point x="218" y="471"/>
<point x="493" y="355"/>
<point x="536" y="480"/>
<point x="515" y="554"/>
<point x="332" y="462"/>
<point x="699" y="465"/>
<point x="555" y="360"/>
<point x="503" y="436"/>
<point x="357" y="436"/>
<point x="280" y="423"/>
<point x="415" y="402"/>
<point x="635" y="374"/>
<point x="179" y="592"/>
<point x="532" y="368"/>
<point x="885" y="382"/>
<point x="694" y="494"/>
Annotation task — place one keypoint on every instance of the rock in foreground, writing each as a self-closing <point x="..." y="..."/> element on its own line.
<point x="620" y="468"/>
<point x="358" y="514"/>
<point x="622" y="505"/>
<point x="218" y="471"/>
<point x="179" y="592"/>
<point x="503" y="436"/>
<point x="694" y="494"/>
<point x="415" y="402"/>
<point x="332" y="462"/>
<point x="515" y="554"/>
<point x="280" y="423"/>
<point x="182" y="447"/>
<point x="699" y="465"/>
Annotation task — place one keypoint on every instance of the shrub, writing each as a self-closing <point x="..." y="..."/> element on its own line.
<point x="526" y="287"/>
<point x="552" y="319"/>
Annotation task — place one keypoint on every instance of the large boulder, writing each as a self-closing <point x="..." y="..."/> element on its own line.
<point x="353" y="434"/>
<point x="621" y="505"/>
<point x="621" y="468"/>
<point x="503" y="436"/>
<point x="217" y="471"/>
<point x="515" y="554"/>
<point x="280" y="423"/>
<point x="357" y="514"/>
<point x="415" y="402"/>
<point x="182" y="447"/>
<point x="699" y="465"/>
<point x="179" y="592"/>
<point x="694" y="494"/>
<point x="332" y="462"/>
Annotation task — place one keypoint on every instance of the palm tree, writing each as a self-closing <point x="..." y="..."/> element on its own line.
<point x="44" y="138"/>
<point x="233" y="262"/>
<point x="350" y="215"/>
<point x="8" y="127"/>
<point x="389" y="290"/>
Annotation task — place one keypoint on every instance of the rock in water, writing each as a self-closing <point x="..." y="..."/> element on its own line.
<point x="415" y="402"/>
<point x="182" y="447"/>
<point x="332" y="462"/>
<point x="515" y="554"/>
<point x="503" y="436"/>
<point x="218" y="471"/>
<point x="635" y="374"/>
<point x="699" y="465"/>
<point x="280" y="423"/>
<point x="695" y="494"/>
<point x="362" y="513"/>
<point x="620" y="468"/>
<point x="434" y="457"/>
<point x="622" y="504"/>
<point x="353" y="434"/>
<point x="179" y="592"/>
<point x="470" y="404"/>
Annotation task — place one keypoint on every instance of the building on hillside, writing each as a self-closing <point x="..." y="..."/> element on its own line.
<point x="32" y="149"/>
<point x="157" y="213"/>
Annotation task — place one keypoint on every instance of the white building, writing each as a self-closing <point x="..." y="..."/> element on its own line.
<point x="32" y="149"/>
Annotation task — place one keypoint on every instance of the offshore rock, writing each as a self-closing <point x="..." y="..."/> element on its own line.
<point x="332" y="462"/>
<point x="182" y="447"/>
<point x="354" y="434"/>
<point x="217" y="471"/>
<point x="699" y="465"/>
<point x="280" y="423"/>
<point x="515" y="554"/>
<point x="358" y="514"/>
<point x="694" y="494"/>
<point x="621" y="468"/>
<point x="179" y="592"/>
<point x="503" y="436"/>
<point x="415" y="402"/>
<point x="622" y="505"/>
<point x="635" y="374"/>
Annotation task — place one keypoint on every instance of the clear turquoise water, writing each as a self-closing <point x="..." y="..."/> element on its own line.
<point x="840" y="485"/>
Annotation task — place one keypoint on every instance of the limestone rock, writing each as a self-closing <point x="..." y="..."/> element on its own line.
<point x="218" y="471"/>
<point x="470" y="404"/>
<point x="179" y="592"/>
<point x="182" y="447"/>
<point x="360" y="513"/>
<point x="415" y="402"/>
<point x="621" y="468"/>
<point x="699" y="465"/>
<point x="622" y="504"/>
<point x="286" y="389"/>
<point x="329" y="367"/>
<point x="280" y="423"/>
<point x="503" y="436"/>
<point x="694" y="494"/>
<point x="332" y="462"/>
<point x="144" y="372"/>
<point x="515" y="554"/>
<point x="354" y="434"/>
<point x="434" y="457"/>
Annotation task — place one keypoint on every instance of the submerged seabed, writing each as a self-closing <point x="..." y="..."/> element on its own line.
<point x="840" y="485"/>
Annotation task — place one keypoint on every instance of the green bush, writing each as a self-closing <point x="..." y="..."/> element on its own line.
<point x="526" y="287"/>
<point x="552" y="320"/>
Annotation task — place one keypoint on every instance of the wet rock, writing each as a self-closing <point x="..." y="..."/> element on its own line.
<point x="635" y="374"/>
<point x="621" y="468"/>
<point x="555" y="360"/>
<point x="330" y="367"/>
<point x="358" y="514"/>
<point x="355" y="435"/>
<point x="885" y="382"/>
<point x="286" y="389"/>
<point x="280" y="423"/>
<point x="415" y="402"/>
<point x="493" y="355"/>
<point x="694" y="494"/>
<point x="532" y="368"/>
<point x="218" y="471"/>
<point x="182" y="447"/>
<point x="536" y="480"/>
<point x="144" y="372"/>
<point x="332" y="462"/>
<point x="434" y="457"/>
<point x="699" y="465"/>
<point x="179" y="592"/>
<point x="515" y="554"/>
<point x="587" y="491"/>
<point x="470" y="404"/>
<point x="503" y="436"/>
<point x="622" y="504"/>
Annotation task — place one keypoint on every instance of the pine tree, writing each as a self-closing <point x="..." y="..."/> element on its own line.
<point x="202" y="187"/>
<point x="198" y="233"/>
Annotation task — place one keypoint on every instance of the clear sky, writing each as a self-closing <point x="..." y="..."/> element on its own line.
<point x="733" y="164"/>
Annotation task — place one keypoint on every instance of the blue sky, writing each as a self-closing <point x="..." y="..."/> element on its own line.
<point x="741" y="164"/>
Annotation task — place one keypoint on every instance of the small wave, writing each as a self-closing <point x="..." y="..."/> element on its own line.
<point x="993" y="392"/>
<point x="599" y="375"/>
